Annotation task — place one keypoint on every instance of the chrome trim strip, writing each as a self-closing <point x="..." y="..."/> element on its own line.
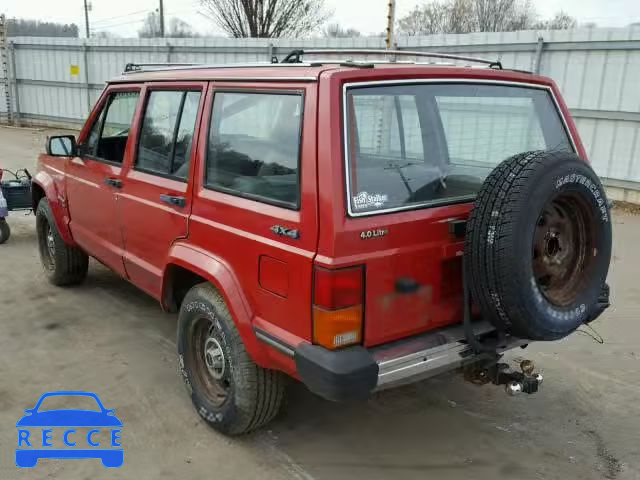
<point x="427" y="362"/>
<point x="345" y="122"/>
<point x="274" y="342"/>
<point x="430" y="362"/>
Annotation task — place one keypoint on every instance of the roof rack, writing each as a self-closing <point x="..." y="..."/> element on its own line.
<point x="295" y="56"/>
<point x="137" y="67"/>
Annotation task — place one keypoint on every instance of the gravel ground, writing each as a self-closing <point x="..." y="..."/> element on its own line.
<point x="107" y="337"/>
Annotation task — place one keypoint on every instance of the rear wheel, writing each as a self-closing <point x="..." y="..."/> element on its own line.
<point x="231" y="392"/>
<point x="538" y="245"/>
<point x="62" y="263"/>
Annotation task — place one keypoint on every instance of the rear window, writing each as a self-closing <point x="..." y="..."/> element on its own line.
<point x="427" y="144"/>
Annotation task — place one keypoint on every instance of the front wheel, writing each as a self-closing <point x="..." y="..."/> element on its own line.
<point x="231" y="392"/>
<point x="63" y="264"/>
<point x="5" y="231"/>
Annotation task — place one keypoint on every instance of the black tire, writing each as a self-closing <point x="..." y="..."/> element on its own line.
<point x="5" y="231"/>
<point x="62" y="263"/>
<point x="538" y="245"/>
<point x="242" y="396"/>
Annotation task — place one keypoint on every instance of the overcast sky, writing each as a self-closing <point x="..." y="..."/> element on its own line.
<point x="124" y="17"/>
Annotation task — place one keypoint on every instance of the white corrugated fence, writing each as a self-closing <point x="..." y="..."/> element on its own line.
<point x="55" y="81"/>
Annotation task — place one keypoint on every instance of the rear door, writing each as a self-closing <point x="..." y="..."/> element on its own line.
<point x="417" y="154"/>
<point x="95" y="176"/>
<point x="155" y="199"/>
<point x="255" y="198"/>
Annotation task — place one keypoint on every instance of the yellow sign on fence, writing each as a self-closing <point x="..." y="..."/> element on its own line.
<point x="75" y="70"/>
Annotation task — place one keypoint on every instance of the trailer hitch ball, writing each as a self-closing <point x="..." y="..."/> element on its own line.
<point x="513" y="388"/>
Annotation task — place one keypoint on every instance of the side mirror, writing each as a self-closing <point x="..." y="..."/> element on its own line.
<point x="62" y="146"/>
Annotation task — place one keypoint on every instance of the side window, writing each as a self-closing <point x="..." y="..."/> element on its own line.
<point x="108" y="136"/>
<point x="167" y="133"/>
<point x="254" y="146"/>
<point x="94" y="134"/>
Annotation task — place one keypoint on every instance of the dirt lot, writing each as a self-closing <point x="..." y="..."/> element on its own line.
<point x="109" y="338"/>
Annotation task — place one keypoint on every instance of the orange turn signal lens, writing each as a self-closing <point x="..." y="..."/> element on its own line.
<point x="337" y="328"/>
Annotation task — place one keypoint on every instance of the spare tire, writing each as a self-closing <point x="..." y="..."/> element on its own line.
<point x="538" y="245"/>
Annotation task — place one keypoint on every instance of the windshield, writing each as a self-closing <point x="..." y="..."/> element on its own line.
<point x="425" y="144"/>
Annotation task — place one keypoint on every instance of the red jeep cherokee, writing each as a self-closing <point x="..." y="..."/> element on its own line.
<point x="354" y="225"/>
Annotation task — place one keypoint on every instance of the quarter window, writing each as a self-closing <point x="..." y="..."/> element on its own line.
<point x="254" y="146"/>
<point x="167" y="133"/>
<point x="109" y="134"/>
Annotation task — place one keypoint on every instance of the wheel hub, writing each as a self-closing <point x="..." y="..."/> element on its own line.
<point x="51" y="246"/>
<point x="214" y="358"/>
<point x="562" y="245"/>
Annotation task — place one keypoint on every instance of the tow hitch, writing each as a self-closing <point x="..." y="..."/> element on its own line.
<point x="526" y="380"/>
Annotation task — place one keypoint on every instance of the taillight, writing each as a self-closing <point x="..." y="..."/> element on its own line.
<point x="338" y="306"/>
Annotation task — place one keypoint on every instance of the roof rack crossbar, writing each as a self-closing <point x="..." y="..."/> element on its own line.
<point x="295" y="56"/>
<point x="137" y="67"/>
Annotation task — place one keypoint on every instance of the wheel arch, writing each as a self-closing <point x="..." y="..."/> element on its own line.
<point x="187" y="266"/>
<point x="43" y="186"/>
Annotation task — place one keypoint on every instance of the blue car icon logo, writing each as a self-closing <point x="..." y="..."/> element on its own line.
<point x="36" y="438"/>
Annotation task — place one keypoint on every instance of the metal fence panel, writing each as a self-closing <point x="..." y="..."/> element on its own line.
<point x="597" y="70"/>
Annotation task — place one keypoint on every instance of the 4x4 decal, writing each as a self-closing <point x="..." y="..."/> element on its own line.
<point x="286" y="232"/>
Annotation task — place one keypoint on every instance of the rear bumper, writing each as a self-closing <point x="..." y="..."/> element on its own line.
<point x="355" y="372"/>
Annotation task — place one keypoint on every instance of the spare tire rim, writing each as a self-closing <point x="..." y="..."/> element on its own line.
<point x="564" y="248"/>
<point x="210" y="365"/>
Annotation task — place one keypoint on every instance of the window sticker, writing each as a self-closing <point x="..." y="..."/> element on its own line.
<point x="365" y="200"/>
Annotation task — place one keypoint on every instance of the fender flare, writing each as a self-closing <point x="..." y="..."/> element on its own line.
<point x="57" y="203"/>
<point x="215" y="271"/>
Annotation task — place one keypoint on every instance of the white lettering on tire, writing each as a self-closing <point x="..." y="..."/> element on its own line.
<point x="589" y="185"/>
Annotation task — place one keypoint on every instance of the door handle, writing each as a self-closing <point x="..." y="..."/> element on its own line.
<point x="113" y="182"/>
<point x="173" y="200"/>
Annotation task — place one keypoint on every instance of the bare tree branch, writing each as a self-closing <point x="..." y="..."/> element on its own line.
<point x="561" y="21"/>
<point x="335" y="30"/>
<point x="266" y="18"/>
<point x="465" y="16"/>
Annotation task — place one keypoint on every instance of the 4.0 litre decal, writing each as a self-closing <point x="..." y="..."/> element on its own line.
<point x="378" y="232"/>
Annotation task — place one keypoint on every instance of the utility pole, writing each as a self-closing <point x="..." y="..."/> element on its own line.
<point x="391" y="20"/>
<point x="161" y="11"/>
<point x="86" y="17"/>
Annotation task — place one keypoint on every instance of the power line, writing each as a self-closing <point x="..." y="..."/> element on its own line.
<point x="120" y="16"/>
<point x="114" y="25"/>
